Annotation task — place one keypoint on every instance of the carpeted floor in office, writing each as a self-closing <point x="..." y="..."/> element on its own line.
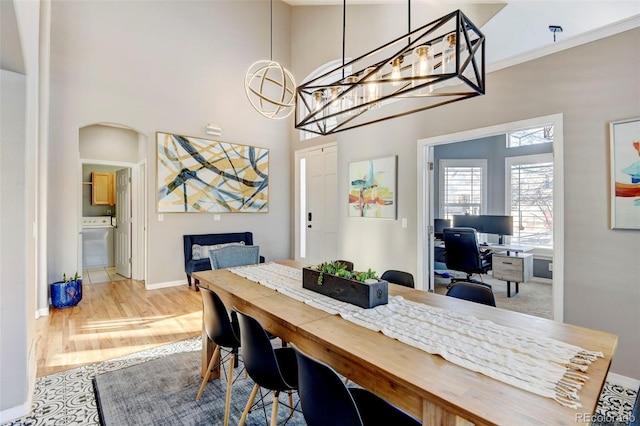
<point x="68" y="398"/>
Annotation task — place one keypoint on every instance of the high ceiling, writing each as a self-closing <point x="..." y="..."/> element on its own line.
<point x="522" y="26"/>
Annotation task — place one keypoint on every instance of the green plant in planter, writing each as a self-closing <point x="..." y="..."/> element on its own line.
<point x="66" y="279"/>
<point x="68" y="292"/>
<point x="340" y="270"/>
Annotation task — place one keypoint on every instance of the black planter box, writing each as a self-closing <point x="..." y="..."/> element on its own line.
<point x="350" y="291"/>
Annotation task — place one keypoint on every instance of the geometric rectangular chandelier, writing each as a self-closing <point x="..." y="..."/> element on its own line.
<point x="436" y="64"/>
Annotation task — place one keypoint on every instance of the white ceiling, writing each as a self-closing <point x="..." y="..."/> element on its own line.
<point x="523" y="26"/>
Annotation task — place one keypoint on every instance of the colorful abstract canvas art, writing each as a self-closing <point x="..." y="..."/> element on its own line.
<point x="625" y="174"/>
<point x="206" y="176"/>
<point x="372" y="188"/>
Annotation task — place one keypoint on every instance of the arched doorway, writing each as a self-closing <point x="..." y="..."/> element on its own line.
<point x="112" y="237"/>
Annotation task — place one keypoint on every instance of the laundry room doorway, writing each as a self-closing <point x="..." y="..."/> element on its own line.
<point x="113" y="194"/>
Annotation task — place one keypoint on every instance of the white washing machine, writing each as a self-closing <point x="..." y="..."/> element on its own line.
<point x="97" y="242"/>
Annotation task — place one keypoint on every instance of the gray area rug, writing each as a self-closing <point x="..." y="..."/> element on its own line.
<point x="163" y="392"/>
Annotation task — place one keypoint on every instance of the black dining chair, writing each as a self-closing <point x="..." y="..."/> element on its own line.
<point x="347" y="264"/>
<point x="398" y="277"/>
<point x="271" y="368"/>
<point x="224" y="332"/>
<point x="472" y="292"/>
<point x="327" y="401"/>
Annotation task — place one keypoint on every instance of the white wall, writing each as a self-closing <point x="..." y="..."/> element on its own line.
<point x="591" y="85"/>
<point x="169" y="66"/>
<point x="13" y="251"/>
<point x="18" y="213"/>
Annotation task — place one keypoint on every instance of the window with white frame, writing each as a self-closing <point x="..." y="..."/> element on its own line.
<point x="463" y="187"/>
<point x="531" y="136"/>
<point x="529" y="181"/>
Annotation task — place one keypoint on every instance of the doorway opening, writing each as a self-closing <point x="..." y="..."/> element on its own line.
<point x="112" y="213"/>
<point x="426" y="214"/>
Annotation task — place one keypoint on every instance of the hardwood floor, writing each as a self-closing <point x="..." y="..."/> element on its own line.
<point x="114" y="319"/>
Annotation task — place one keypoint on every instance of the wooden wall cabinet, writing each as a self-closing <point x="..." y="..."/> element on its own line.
<point x="103" y="188"/>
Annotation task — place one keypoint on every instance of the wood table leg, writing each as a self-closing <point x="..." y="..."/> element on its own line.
<point x="435" y="415"/>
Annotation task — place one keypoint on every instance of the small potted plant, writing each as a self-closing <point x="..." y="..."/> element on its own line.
<point x="66" y="293"/>
<point x="333" y="279"/>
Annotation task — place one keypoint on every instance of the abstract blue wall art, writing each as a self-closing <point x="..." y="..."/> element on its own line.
<point x="205" y="176"/>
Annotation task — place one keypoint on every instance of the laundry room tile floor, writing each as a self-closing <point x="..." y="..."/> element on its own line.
<point x="100" y="275"/>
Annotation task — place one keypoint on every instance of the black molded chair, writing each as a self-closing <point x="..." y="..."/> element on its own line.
<point x="463" y="253"/>
<point x="327" y="401"/>
<point x="398" y="277"/>
<point x="472" y="292"/>
<point x="224" y="332"/>
<point x="273" y="369"/>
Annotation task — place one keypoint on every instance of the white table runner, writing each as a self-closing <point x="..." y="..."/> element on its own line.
<point x="543" y="366"/>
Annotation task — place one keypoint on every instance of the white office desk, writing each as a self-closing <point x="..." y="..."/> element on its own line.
<point x="516" y="248"/>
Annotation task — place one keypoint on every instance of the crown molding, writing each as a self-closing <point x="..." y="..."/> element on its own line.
<point x="600" y="33"/>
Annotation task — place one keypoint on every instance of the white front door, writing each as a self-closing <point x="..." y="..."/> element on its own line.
<point x="317" y="205"/>
<point x="123" y="223"/>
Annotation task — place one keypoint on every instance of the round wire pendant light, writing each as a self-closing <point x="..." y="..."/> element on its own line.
<point x="271" y="89"/>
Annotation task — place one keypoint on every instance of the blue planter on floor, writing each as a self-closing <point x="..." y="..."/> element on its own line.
<point x="66" y="294"/>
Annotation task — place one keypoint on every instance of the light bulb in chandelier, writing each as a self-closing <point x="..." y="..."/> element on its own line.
<point x="396" y="70"/>
<point x="422" y="66"/>
<point x="350" y="99"/>
<point x="371" y="88"/>
<point x="333" y="93"/>
<point x="318" y="100"/>
<point x="449" y="54"/>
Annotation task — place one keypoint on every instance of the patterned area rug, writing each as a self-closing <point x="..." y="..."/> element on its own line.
<point x="67" y="397"/>
<point x="163" y="392"/>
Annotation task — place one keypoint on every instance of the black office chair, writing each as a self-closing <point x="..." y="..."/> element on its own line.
<point x="224" y="332"/>
<point x="472" y="292"/>
<point x="327" y="401"/>
<point x="273" y="369"/>
<point x="398" y="277"/>
<point x="463" y="254"/>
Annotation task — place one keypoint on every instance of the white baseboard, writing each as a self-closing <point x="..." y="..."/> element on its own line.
<point x="624" y="381"/>
<point x="42" y="312"/>
<point x="165" y="284"/>
<point x="14" y="413"/>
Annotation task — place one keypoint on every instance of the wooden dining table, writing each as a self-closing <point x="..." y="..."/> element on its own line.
<point x="427" y="386"/>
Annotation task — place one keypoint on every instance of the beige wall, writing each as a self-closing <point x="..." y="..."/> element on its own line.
<point x="169" y="67"/>
<point x="591" y="85"/>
